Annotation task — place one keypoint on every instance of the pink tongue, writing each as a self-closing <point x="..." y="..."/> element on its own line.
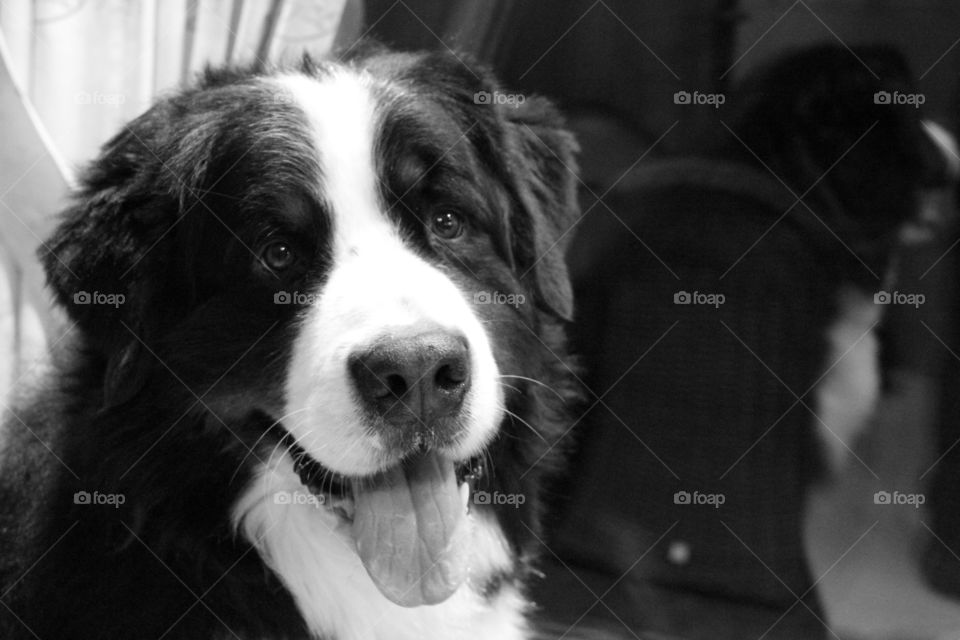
<point x="408" y="526"/>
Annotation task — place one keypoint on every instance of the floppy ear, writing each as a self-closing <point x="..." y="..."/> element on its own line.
<point x="543" y="164"/>
<point x="98" y="258"/>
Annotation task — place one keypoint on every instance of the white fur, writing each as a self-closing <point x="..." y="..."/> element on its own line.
<point x="312" y="551"/>
<point x="946" y="144"/>
<point x="936" y="203"/>
<point x="847" y="395"/>
<point x="376" y="285"/>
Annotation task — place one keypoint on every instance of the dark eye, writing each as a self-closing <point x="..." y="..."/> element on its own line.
<point x="277" y="255"/>
<point x="447" y="224"/>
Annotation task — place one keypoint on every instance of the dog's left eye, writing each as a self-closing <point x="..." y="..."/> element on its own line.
<point x="447" y="224"/>
<point x="278" y="256"/>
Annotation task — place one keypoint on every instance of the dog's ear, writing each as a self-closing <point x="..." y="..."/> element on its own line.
<point x="99" y="257"/>
<point x="524" y="139"/>
<point x="542" y="158"/>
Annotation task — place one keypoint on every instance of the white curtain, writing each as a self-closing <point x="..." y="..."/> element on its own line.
<point x="90" y="65"/>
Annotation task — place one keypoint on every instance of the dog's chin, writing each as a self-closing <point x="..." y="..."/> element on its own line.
<point x="408" y="521"/>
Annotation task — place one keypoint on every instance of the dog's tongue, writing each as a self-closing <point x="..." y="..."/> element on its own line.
<point x="407" y="525"/>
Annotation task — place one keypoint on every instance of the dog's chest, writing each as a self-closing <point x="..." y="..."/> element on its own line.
<point x="848" y="392"/>
<point x="312" y="552"/>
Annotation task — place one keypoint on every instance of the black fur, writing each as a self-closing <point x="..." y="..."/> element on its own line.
<point x="812" y="117"/>
<point x="168" y="398"/>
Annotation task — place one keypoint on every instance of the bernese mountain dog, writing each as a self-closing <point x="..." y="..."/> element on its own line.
<point x="316" y="368"/>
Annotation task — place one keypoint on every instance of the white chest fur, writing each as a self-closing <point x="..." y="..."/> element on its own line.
<point x="312" y="551"/>
<point x="847" y="394"/>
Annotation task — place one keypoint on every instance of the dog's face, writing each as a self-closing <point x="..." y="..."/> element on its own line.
<point x="342" y="261"/>
<point x="420" y="371"/>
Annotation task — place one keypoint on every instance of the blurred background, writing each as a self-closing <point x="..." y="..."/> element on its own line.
<point x="816" y="556"/>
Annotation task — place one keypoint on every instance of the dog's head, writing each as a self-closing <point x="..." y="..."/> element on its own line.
<point x="360" y="252"/>
<point x="843" y="129"/>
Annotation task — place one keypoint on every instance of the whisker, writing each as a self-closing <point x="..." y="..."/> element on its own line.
<point x="510" y="386"/>
<point x="534" y="381"/>
<point x="263" y="435"/>
<point x="524" y="422"/>
<point x="487" y="461"/>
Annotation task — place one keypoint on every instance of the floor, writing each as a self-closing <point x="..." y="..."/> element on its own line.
<point x="867" y="554"/>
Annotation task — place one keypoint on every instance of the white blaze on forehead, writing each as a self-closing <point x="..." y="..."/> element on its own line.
<point x="342" y="115"/>
<point x="376" y="285"/>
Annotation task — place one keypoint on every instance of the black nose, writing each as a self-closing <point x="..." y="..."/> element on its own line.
<point x="420" y="375"/>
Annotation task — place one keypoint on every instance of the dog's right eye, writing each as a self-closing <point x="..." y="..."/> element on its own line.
<point x="447" y="224"/>
<point x="278" y="256"/>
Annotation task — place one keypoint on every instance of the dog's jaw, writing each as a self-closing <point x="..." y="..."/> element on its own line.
<point x="312" y="551"/>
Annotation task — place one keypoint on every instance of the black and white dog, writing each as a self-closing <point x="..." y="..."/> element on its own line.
<point x="315" y="308"/>
<point x="844" y="129"/>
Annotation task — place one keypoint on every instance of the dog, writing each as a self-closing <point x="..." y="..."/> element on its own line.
<point x="845" y="131"/>
<point x="317" y="371"/>
<point x="731" y="301"/>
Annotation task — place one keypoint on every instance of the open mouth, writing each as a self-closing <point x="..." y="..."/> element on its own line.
<point x="409" y="523"/>
<point x="335" y="490"/>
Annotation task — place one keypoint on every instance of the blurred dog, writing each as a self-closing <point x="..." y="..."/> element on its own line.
<point x="844" y="132"/>
<point x="726" y="309"/>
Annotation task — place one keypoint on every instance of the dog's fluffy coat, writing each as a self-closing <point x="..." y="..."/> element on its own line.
<point x="186" y="398"/>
